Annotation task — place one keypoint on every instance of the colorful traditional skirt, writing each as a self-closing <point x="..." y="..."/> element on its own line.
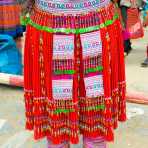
<point x="10" y="18"/>
<point x="74" y="74"/>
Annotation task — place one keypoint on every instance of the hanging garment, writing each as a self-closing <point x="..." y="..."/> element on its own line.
<point x="10" y="58"/>
<point x="10" y="18"/>
<point x="134" y="25"/>
<point x="74" y="75"/>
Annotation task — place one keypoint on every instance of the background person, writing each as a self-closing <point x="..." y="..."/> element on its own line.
<point x="131" y="19"/>
<point x="145" y="24"/>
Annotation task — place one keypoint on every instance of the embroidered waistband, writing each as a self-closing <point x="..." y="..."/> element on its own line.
<point x="72" y="24"/>
<point x="70" y="7"/>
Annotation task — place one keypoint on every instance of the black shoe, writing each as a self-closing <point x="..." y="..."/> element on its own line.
<point x="127" y="52"/>
<point x="145" y="63"/>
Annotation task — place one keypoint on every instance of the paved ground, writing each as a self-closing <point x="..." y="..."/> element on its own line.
<point x="132" y="134"/>
<point x="137" y="77"/>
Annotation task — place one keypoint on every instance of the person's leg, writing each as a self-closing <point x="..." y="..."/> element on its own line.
<point x="19" y="43"/>
<point x="62" y="145"/>
<point x="127" y="46"/>
<point x="124" y="14"/>
<point x="94" y="142"/>
<point x="145" y="63"/>
<point x="127" y="42"/>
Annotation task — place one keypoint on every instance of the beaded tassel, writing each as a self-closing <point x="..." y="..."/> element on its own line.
<point x="114" y="70"/>
<point x="63" y="145"/>
<point x="107" y="87"/>
<point x="122" y="84"/>
<point x="114" y="74"/>
<point x="28" y="81"/>
<point x="37" y="84"/>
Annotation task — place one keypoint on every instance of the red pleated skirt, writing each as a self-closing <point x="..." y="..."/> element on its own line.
<point x="74" y="76"/>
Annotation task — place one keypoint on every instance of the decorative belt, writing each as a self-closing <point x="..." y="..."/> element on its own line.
<point x="73" y="7"/>
<point x="82" y="23"/>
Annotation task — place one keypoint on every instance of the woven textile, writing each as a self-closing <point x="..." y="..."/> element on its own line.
<point x="98" y="142"/>
<point x="74" y="74"/>
<point x="69" y="6"/>
<point x="134" y="24"/>
<point x="10" y="18"/>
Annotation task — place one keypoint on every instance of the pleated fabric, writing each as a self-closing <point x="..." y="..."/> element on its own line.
<point x="74" y="75"/>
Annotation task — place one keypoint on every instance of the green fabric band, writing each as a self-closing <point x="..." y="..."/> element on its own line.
<point x="96" y="108"/>
<point x="58" y="111"/>
<point x="27" y="21"/>
<point x="71" y="72"/>
<point x="99" y="68"/>
<point x="59" y="72"/>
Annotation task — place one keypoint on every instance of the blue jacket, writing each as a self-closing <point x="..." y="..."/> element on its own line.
<point x="10" y="58"/>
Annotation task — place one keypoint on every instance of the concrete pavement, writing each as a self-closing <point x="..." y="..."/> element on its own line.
<point x="137" y="77"/>
<point x="132" y="134"/>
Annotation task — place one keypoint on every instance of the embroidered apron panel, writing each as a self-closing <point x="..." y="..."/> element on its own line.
<point x="92" y="62"/>
<point x="70" y="6"/>
<point x="62" y="89"/>
<point x="63" y="47"/>
<point x="63" y="67"/>
<point x="94" y="86"/>
<point x="91" y="44"/>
